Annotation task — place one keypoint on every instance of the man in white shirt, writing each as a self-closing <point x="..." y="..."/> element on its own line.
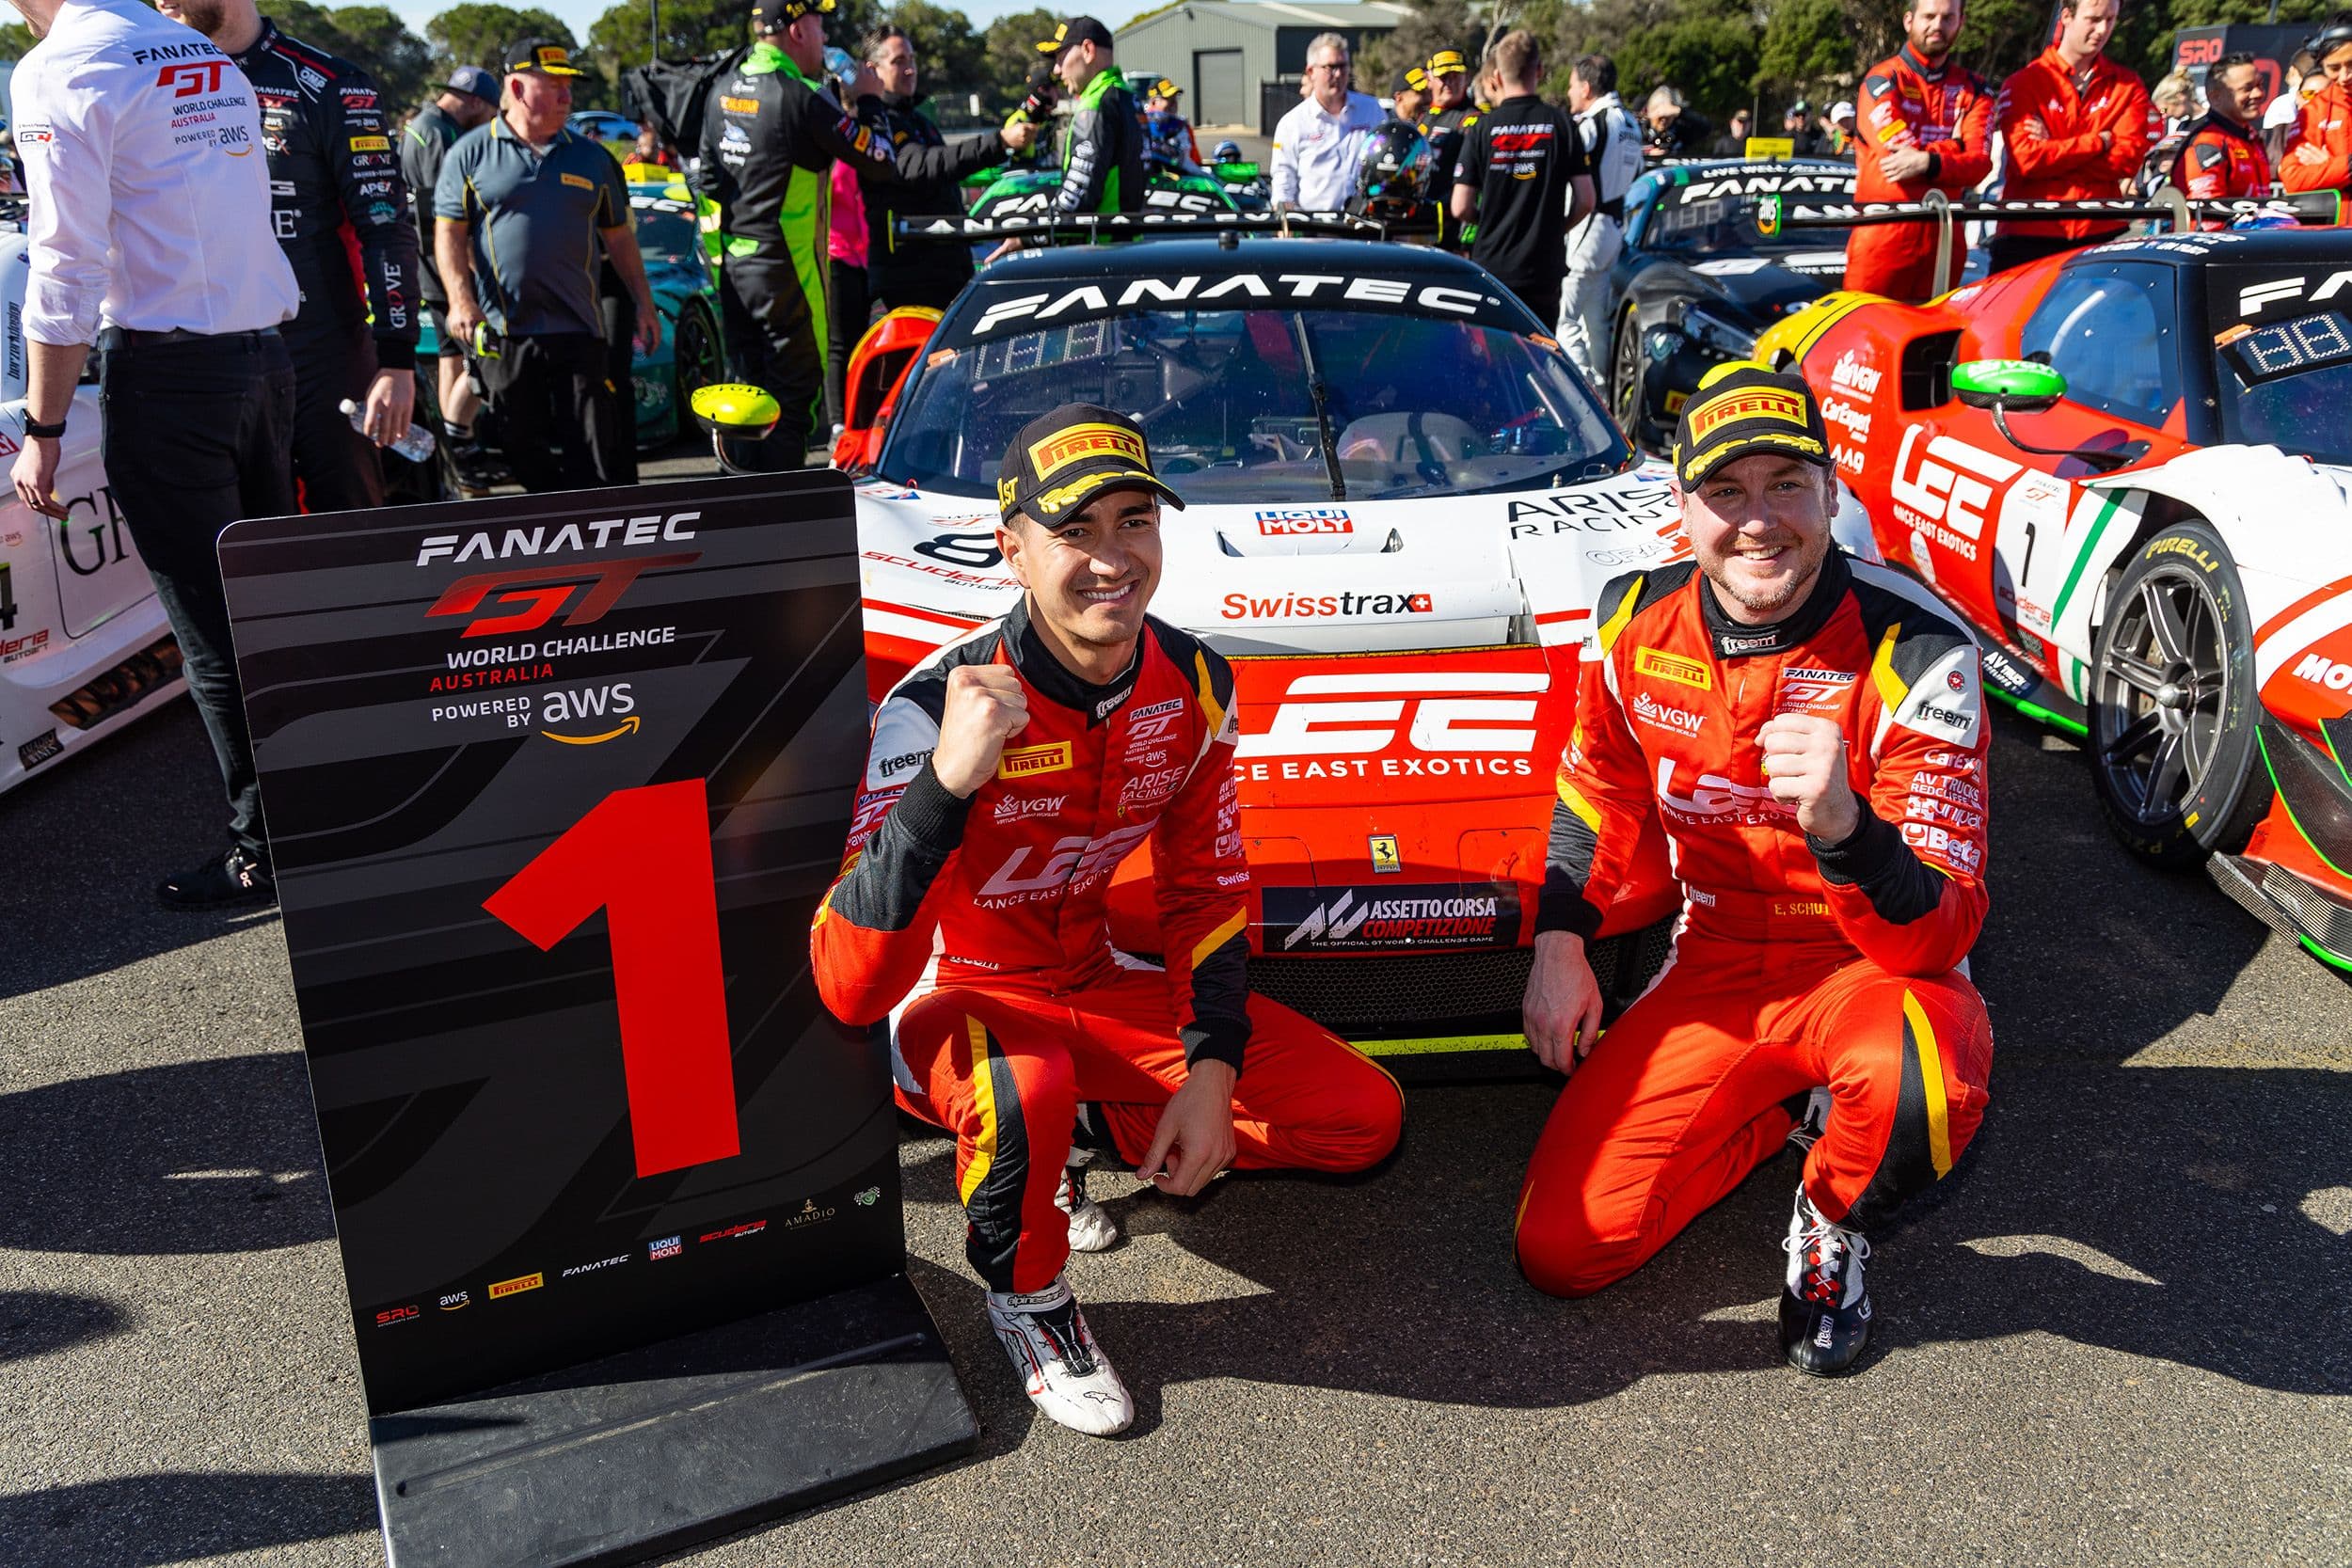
<point x="1318" y="144"/>
<point x="1612" y="151"/>
<point x="148" y="234"/>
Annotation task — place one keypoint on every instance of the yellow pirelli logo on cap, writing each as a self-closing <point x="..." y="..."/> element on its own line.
<point x="1080" y="442"/>
<point x="1020" y="762"/>
<point x="582" y="180"/>
<point x="1672" y="667"/>
<point x="1755" y="403"/>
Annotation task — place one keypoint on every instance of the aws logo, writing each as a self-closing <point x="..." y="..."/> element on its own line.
<point x="589" y="705"/>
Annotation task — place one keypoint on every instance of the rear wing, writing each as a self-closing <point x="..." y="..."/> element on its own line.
<point x="1095" y="227"/>
<point x="1775" y="212"/>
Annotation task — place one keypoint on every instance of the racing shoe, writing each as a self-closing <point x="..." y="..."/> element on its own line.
<point x="225" y="882"/>
<point x="1062" y="1368"/>
<point x="1810" y="1114"/>
<point x="1091" y="1227"/>
<point x="1824" y="1307"/>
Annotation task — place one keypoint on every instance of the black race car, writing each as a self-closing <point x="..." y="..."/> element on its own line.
<point x="1696" y="282"/>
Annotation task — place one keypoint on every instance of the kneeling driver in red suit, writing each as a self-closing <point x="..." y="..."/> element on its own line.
<point x="1809" y="733"/>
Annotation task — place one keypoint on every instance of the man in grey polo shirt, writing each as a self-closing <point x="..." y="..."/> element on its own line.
<point x="521" y="204"/>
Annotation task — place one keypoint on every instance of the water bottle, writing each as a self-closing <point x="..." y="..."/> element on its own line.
<point x="415" y="446"/>
<point x="842" y="67"/>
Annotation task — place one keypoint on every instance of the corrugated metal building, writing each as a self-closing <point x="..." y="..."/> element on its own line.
<point x="1227" y="55"/>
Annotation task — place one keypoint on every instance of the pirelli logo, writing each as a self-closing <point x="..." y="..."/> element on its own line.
<point x="517" y="1285"/>
<point x="1022" y="762"/>
<point x="582" y="180"/>
<point x="1080" y="442"/>
<point x="370" y="144"/>
<point x="1759" y="402"/>
<point x="1672" y="667"/>
<point x="739" y="106"/>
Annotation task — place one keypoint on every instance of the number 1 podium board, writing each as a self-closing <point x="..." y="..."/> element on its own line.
<point x="554" y="786"/>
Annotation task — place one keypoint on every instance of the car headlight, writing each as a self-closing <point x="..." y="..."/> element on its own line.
<point x="1718" y="336"/>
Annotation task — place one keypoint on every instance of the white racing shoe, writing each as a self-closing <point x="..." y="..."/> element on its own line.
<point x="1091" y="1227"/>
<point x="1824" y="1307"/>
<point x="1062" y="1368"/>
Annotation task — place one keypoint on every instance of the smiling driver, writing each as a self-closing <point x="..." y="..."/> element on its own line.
<point x="1808" y="733"/>
<point x="1010" y="774"/>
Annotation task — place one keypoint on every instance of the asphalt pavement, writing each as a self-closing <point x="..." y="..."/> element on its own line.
<point x="2122" y="1335"/>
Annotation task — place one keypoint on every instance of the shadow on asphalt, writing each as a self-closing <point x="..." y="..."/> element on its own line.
<point x="207" y="1156"/>
<point x="180" y="1515"/>
<point x="35" y="1322"/>
<point x="88" y="843"/>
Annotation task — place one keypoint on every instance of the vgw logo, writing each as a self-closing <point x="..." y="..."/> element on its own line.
<point x="188" y="78"/>
<point x="528" y="599"/>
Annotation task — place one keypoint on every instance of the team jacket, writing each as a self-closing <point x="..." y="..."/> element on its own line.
<point x="1665" y="731"/>
<point x="2221" y="159"/>
<point x="1102" y="159"/>
<point x="1013" y="879"/>
<point x="337" y="198"/>
<point x="2063" y="160"/>
<point x="770" y="141"/>
<point x="1947" y="114"/>
<point x="930" y="169"/>
<point x="2326" y="124"/>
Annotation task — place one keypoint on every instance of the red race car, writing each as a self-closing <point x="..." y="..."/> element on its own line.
<point x="2130" y="468"/>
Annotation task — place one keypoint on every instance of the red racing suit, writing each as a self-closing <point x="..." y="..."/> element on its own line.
<point x="990" y="914"/>
<point x="2221" y="160"/>
<point x="2327" y="126"/>
<point x="1948" y="114"/>
<point x="2061" y="160"/>
<point x="1796" y="962"/>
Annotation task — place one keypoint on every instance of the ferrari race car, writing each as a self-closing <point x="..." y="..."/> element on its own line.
<point x="2130" y="467"/>
<point x="1402" y="502"/>
<point x="83" y="645"/>
<point x="1696" y="281"/>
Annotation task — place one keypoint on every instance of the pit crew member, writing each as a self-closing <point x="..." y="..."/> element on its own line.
<point x="340" y="208"/>
<point x="2319" y="152"/>
<point x="1613" y="152"/>
<point x="2224" y="157"/>
<point x="1009" y="775"/>
<point x="468" y="99"/>
<point x="1926" y="124"/>
<point x="1102" y="155"/>
<point x="1808" y="733"/>
<point x="1168" y="139"/>
<point x="2076" y="126"/>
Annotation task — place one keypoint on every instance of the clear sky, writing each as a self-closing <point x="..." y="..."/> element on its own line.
<point x="579" y="13"/>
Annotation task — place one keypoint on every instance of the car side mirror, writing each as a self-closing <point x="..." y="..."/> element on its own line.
<point x="735" y="411"/>
<point x="2007" y="386"/>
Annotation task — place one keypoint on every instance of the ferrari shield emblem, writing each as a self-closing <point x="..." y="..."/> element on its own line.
<point x="1384" y="855"/>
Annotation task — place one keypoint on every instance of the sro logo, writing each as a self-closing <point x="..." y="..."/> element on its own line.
<point x="1453" y="712"/>
<point x="187" y="78"/>
<point x="530" y="598"/>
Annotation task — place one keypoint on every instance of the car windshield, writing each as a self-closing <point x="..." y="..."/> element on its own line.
<point x="667" y="231"/>
<point x="1412" y="405"/>
<point x="2287" y="384"/>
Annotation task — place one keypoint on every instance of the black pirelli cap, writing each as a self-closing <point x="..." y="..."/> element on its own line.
<point x="1743" y="408"/>
<point x="1062" y="460"/>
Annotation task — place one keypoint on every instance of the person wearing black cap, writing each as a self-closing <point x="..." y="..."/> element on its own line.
<point x="1408" y="94"/>
<point x="1167" y="138"/>
<point x="1009" y="775"/>
<point x="1809" y="734"/>
<point x="466" y="100"/>
<point x="523" y="203"/>
<point x="771" y="136"/>
<point x="1102" y="156"/>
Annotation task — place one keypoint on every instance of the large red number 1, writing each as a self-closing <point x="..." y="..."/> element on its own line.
<point x="643" y="855"/>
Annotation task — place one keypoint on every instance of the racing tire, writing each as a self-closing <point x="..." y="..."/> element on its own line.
<point x="1625" y="375"/>
<point x="696" y="359"/>
<point x="2172" y="704"/>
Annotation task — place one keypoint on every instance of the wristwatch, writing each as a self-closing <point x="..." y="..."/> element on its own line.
<point x="45" y="432"/>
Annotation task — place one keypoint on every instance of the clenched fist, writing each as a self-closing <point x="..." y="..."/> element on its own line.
<point x="985" y="708"/>
<point x="1804" y="762"/>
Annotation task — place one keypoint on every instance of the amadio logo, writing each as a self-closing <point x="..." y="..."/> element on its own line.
<point x="188" y="78"/>
<point x="528" y="599"/>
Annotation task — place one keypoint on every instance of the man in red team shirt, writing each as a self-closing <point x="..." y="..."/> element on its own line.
<point x="1926" y="125"/>
<point x="1010" y="774"/>
<point x="2077" y="126"/>
<point x="2223" y="157"/>
<point x="1809" y="734"/>
<point x="2319" y="153"/>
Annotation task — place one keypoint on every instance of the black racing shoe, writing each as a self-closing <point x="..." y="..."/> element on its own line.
<point x="1824" y="1307"/>
<point x="226" y="881"/>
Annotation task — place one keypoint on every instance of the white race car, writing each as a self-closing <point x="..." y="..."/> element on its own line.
<point x="1400" y="504"/>
<point x="84" y="646"/>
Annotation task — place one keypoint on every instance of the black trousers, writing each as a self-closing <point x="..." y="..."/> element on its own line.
<point x="336" y="468"/>
<point x="775" y="343"/>
<point x="2015" y="250"/>
<point x="199" y="433"/>
<point x="1541" y="296"/>
<point x="847" y="306"/>
<point x="554" y="402"/>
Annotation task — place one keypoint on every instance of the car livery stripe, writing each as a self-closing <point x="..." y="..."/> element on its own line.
<point x="1441" y="1044"/>
<point x="2300" y="831"/>
<point x="1830" y="315"/>
<point x="2271" y="653"/>
<point x="2082" y="557"/>
<point x="2317" y="595"/>
<point x="881" y="607"/>
<point x="983" y="1102"/>
<point x="1932" y="1081"/>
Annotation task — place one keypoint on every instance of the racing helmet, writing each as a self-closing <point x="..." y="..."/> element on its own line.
<point x="1228" y="152"/>
<point x="1395" y="166"/>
